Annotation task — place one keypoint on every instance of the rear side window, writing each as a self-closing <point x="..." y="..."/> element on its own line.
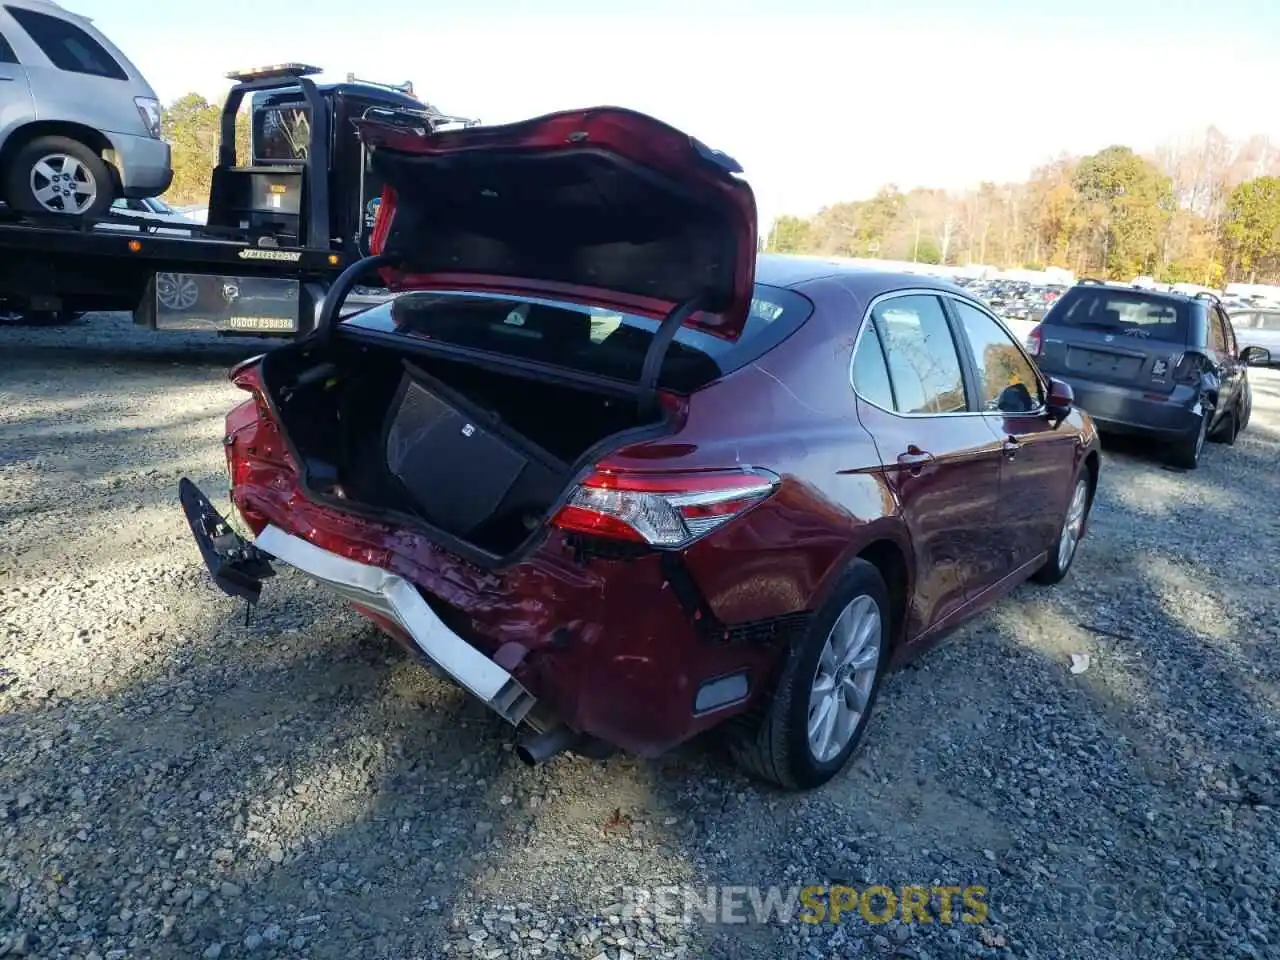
<point x="1132" y="313"/>
<point x="67" y="46"/>
<point x="1217" y="336"/>
<point x="924" y="367"/>
<point x="871" y="372"/>
<point x="595" y="341"/>
<point x="6" y="52"/>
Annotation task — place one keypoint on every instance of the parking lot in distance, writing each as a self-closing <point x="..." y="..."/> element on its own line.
<point x="176" y="783"/>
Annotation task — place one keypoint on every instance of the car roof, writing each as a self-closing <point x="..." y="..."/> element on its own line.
<point x="789" y="270"/>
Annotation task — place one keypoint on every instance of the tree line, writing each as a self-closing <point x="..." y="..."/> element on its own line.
<point x="192" y="124"/>
<point x="1202" y="211"/>
<point x="1206" y="210"/>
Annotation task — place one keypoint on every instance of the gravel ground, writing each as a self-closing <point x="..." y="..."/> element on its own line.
<point x="174" y="783"/>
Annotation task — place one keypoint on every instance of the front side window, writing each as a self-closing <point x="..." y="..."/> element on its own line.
<point x="924" y="367"/>
<point x="1006" y="380"/>
<point x="67" y="46"/>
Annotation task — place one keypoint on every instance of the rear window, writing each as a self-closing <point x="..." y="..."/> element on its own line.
<point x="6" y="52"/>
<point x="67" y="46"/>
<point x="281" y="133"/>
<point x="594" y="341"/>
<point x="1122" y="311"/>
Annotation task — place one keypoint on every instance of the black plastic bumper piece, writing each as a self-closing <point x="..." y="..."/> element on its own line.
<point x="236" y="565"/>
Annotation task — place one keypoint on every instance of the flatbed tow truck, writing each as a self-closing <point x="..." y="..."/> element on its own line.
<point x="280" y="229"/>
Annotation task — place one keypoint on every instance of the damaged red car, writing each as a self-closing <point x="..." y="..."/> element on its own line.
<point x="626" y="481"/>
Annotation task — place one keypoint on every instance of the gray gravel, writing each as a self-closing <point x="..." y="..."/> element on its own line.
<point x="174" y="783"/>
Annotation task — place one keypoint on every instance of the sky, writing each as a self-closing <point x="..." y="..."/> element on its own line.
<point x="819" y="101"/>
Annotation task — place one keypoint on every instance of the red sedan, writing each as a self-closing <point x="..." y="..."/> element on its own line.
<point x="624" y="480"/>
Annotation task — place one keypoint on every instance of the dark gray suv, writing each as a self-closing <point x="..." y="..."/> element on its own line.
<point x="1141" y="362"/>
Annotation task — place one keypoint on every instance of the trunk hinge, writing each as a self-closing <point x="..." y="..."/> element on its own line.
<point x="337" y="294"/>
<point x="651" y="371"/>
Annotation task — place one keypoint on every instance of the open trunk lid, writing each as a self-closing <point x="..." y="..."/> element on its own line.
<point x="604" y="206"/>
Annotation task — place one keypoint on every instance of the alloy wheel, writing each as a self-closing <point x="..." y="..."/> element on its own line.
<point x="1073" y="525"/>
<point x="844" y="678"/>
<point x="62" y="184"/>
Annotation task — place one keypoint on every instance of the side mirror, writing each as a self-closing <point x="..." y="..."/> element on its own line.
<point x="1061" y="399"/>
<point x="1256" y="357"/>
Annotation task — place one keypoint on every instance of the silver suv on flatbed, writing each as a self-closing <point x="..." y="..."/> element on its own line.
<point x="79" y="125"/>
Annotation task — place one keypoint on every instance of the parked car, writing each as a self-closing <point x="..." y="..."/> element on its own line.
<point x="1258" y="326"/>
<point x="1155" y="364"/>
<point x="79" y="125"/>
<point x="628" y="499"/>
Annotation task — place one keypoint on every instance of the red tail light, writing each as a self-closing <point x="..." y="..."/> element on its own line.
<point x="1035" y="341"/>
<point x="246" y="375"/>
<point x="1188" y="368"/>
<point x="661" y="509"/>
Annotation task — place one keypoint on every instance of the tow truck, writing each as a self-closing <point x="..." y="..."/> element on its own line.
<point x="279" y="229"/>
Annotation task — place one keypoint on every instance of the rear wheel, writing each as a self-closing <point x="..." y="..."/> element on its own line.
<point x="829" y="683"/>
<point x="1063" y="552"/>
<point x="1186" y="452"/>
<point x="61" y="176"/>
<point x="1229" y="428"/>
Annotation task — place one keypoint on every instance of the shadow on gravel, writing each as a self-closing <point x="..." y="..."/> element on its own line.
<point x="196" y="787"/>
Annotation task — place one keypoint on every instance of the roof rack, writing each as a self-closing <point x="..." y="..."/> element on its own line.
<point x="1091" y="280"/>
<point x="1208" y="295"/>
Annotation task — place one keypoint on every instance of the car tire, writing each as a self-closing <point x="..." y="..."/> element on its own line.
<point x="1246" y="406"/>
<point x="30" y="189"/>
<point x="1062" y="553"/>
<point x="824" y="669"/>
<point x="1229" y="428"/>
<point x="1186" y="451"/>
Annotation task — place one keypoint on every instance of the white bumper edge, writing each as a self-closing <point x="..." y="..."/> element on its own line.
<point x="399" y="601"/>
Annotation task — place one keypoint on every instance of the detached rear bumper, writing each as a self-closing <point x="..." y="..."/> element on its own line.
<point x="238" y="568"/>
<point x="396" y="599"/>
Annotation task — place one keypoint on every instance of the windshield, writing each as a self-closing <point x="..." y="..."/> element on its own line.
<point x="1132" y="313"/>
<point x="589" y="340"/>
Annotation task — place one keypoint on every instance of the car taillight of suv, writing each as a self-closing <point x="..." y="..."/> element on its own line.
<point x="1035" y="341"/>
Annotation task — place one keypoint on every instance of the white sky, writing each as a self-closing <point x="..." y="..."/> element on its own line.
<point x="820" y="101"/>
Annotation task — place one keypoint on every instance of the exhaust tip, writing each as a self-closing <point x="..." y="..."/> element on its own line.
<point x="543" y="746"/>
<point x="526" y="756"/>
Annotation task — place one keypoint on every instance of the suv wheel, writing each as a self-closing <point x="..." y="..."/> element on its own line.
<point x="828" y="686"/>
<point x="1186" y="452"/>
<point x="60" y="176"/>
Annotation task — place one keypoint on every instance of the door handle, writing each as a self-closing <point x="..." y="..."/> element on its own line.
<point x="1011" y="447"/>
<point x="915" y="459"/>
